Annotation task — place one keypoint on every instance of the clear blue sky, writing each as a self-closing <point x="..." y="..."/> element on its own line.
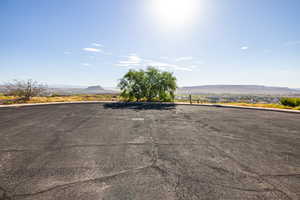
<point x="87" y="42"/>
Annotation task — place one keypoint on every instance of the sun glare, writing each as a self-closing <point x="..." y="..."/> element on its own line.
<point x="175" y="12"/>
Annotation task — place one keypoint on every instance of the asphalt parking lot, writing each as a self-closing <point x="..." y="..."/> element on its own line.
<point x="142" y="152"/>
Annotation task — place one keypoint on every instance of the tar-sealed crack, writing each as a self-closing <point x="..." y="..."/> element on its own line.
<point x="280" y="175"/>
<point x="98" y="145"/>
<point x="154" y="158"/>
<point x="182" y="181"/>
<point x="185" y="184"/>
<point x="4" y="195"/>
<point x="101" y="179"/>
<point x="250" y="172"/>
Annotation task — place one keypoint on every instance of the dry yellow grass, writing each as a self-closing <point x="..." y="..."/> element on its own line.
<point x="264" y="105"/>
<point x="64" y="98"/>
<point x="259" y="105"/>
<point x="2" y="97"/>
<point x="73" y="98"/>
<point x="108" y="97"/>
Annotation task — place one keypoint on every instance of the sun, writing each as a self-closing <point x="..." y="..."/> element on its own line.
<point x="175" y="12"/>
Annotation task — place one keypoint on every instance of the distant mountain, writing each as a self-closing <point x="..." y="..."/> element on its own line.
<point x="237" y="89"/>
<point x="89" y="90"/>
<point x="2" y="88"/>
<point x="69" y="90"/>
<point x="65" y="86"/>
<point x="97" y="87"/>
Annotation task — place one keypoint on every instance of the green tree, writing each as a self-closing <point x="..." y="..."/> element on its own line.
<point x="132" y="85"/>
<point x="150" y="85"/>
<point x="167" y="86"/>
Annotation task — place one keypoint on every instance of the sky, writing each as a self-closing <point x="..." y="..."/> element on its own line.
<point x="203" y="42"/>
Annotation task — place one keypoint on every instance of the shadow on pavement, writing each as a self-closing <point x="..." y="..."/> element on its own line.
<point x="140" y="106"/>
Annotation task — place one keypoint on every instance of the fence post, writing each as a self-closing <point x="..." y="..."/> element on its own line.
<point x="190" y="97"/>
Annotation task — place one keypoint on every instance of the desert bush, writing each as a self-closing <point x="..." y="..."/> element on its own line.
<point x="151" y="85"/>
<point x="289" y="101"/>
<point x="25" y="89"/>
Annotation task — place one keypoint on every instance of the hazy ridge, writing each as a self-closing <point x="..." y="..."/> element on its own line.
<point x="203" y="89"/>
<point x="237" y="89"/>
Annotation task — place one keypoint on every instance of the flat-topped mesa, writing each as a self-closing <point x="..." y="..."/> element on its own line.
<point x="96" y="87"/>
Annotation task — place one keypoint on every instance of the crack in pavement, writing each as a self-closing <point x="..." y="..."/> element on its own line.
<point x="154" y="158"/>
<point x="254" y="174"/>
<point x="4" y="194"/>
<point x="183" y="175"/>
<point x="280" y="175"/>
<point x="166" y="173"/>
<point x="102" y="179"/>
<point x="153" y="165"/>
<point x="100" y="145"/>
<point x="249" y="171"/>
<point x="180" y="184"/>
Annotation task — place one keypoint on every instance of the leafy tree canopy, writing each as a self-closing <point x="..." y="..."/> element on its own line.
<point x="151" y="85"/>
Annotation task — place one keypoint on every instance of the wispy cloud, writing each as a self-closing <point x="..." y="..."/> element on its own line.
<point x="92" y="49"/>
<point x="135" y="61"/>
<point x="131" y="60"/>
<point x="166" y="66"/>
<point x="85" y="64"/>
<point x="97" y="45"/>
<point x="292" y="43"/>
<point x="96" y="50"/>
<point x="244" y="48"/>
<point x="183" y="58"/>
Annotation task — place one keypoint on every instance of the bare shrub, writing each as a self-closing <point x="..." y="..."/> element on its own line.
<point x="25" y="89"/>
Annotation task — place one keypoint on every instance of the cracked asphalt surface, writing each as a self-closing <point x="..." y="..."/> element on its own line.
<point x="135" y="151"/>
